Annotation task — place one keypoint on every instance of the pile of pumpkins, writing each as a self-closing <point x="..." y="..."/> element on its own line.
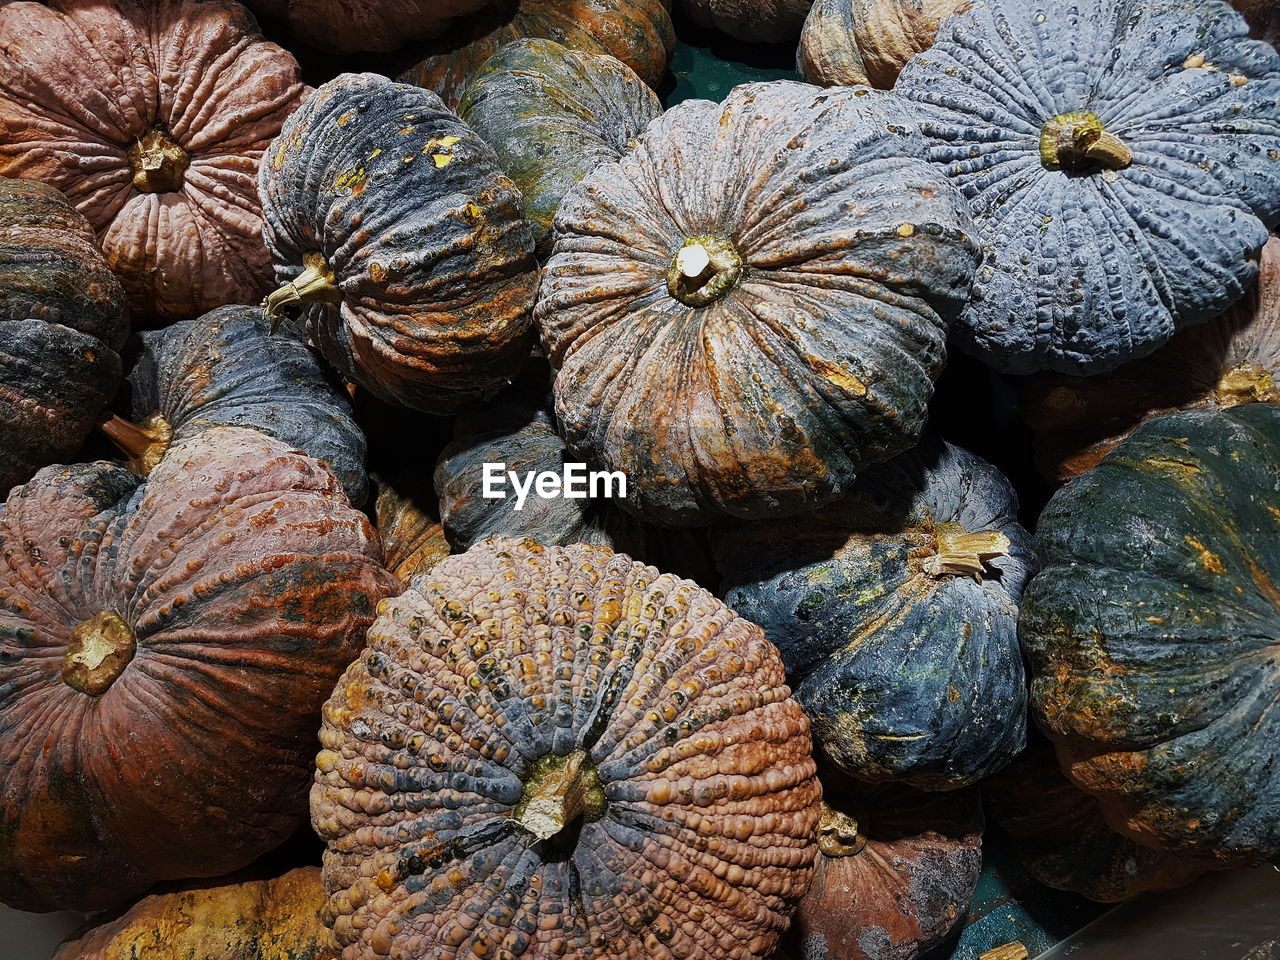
<point x="760" y="706"/>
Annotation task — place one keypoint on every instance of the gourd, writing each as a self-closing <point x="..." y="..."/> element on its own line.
<point x="895" y="611"/>
<point x="1263" y="17"/>
<point x="375" y="26"/>
<point x="151" y="118"/>
<point x="638" y="32"/>
<point x="742" y="339"/>
<point x="391" y="225"/>
<point x="62" y="320"/>
<point x="413" y="539"/>
<point x="1151" y="631"/>
<point x="547" y="750"/>
<point x="552" y="115"/>
<point x="755" y="21"/>
<point x="226" y="369"/>
<point x="165" y="643"/>
<point x="867" y="41"/>
<point x="1122" y="160"/>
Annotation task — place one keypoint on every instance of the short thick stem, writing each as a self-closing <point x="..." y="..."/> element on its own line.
<point x="838" y="834"/>
<point x="158" y="163"/>
<point x="1074" y="141"/>
<point x="99" y="650"/>
<point x="316" y="284"/>
<point x="1248" y="382"/>
<point x="964" y="554"/>
<point x="145" y="444"/>
<point x="703" y="270"/>
<point x="560" y="790"/>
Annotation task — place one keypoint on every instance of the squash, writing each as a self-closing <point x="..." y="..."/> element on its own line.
<point x="755" y="21"/>
<point x="151" y="118"/>
<point x="895" y="611"/>
<point x="1263" y="17"/>
<point x="277" y="918"/>
<point x="554" y="114"/>
<point x="391" y="224"/>
<point x="165" y="644"/>
<point x="62" y="320"/>
<point x="638" y="32"/>
<point x="1151" y="632"/>
<point x="1233" y="359"/>
<point x="743" y="338"/>
<point x="377" y="26"/>
<point x="896" y="870"/>
<point x="867" y="41"/>
<point x="547" y="750"/>
<point x="413" y="539"/>
<point x="1122" y="160"/>
<point x="225" y="369"/>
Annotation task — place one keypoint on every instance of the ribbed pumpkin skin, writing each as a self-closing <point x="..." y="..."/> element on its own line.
<point x="81" y="82"/>
<point x="817" y="363"/>
<point x="847" y="42"/>
<point x="638" y="32"/>
<point x="1087" y="267"/>
<point x="1151" y="632"/>
<point x="508" y="656"/>
<point x="413" y="539"/>
<point x="432" y="258"/>
<point x="246" y="581"/>
<point x="907" y="673"/>
<point x="227" y="369"/>
<point x="62" y="319"/>
<point x="755" y="21"/>
<point x="553" y="115"/>
<point x="376" y="26"/>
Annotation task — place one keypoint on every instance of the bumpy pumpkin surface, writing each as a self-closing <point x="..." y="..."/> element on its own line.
<point x="895" y="611"/>
<point x="1230" y="360"/>
<point x="227" y="369"/>
<point x="756" y="21"/>
<point x="165" y="644"/>
<point x="342" y="26"/>
<point x="561" y="752"/>
<point x="413" y="539"/>
<point x="1122" y="158"/>
<point x="392" y="225"/>
<point x="62" y="319"/>
<point x="638" y="32"/>
<point x="750" y="307"/>
<point x="867" y="41"/>
<point x="274" y="919"/>
<point x="553" y="115"/>
<point x="1151" y="632"/>
<point x="151" y="118"/>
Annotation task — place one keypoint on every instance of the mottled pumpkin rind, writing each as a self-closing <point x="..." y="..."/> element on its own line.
<point x="846" y="42"/>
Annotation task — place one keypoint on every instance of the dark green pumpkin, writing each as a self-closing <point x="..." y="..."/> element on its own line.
<point x="62" y="320"/>
<point x="1152" y="632"/>
<point x="553" y="114"/>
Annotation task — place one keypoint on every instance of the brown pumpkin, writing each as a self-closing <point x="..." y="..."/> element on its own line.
<point x="413" y="539"/>
<point x="340" y="26"/>
<point x="755" y="21"/>
<point x="1263" y="17"/>
<point x="151" y="118"/>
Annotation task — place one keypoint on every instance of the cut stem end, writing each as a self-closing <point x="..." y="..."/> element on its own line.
<point x="1075" y="141"/>
<point x="158" y="163"/>
<point x="964" y="554"/>
<point x="703" y="270"/>
<point x="316" y="284"/>
<point x="145" y="444"/>
<point x="99" y="650"/>
<point x="561" y="790"/>
<point x="838" y="834"/>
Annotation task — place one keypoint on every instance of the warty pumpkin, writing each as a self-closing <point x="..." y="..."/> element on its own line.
<point x="755" y="21"/>
<point x="1122" y="160"/>
<point x="750" y="307"/>
<point x="558" y="751"/>
<point x="1151" y="632"/>
<point x="165" y="644"/>
<point x="151" y="118"/>
<point x="62" y="320"/>
<point x="340" y="26"/>
<point x="397" y="235"/>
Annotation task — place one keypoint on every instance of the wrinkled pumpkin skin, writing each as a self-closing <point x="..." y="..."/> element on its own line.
<point x="901" y="646"/>
<point x="164" y="647"/>
<point x="82" y="87"/>
<point x="227" y="369"/>
<point x="761" y="392"/>
<point x="431" y="259"/>
<point x="375" y="26"/>
<point x="755" y="21"/>
<point x="1122" y="160"/>
<point x="553" y="115"/>
<point x="62" y="319"/>
<point x="440" y="744"/>
<point x="638" y="32"/>
<point x="1151" y="632"/>
<point x="413" y="539"/>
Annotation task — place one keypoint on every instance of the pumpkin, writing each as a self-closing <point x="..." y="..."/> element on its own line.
<point x="867" y="41"/>
<point x="226" y="369"/>
<point x="413" y="539"/>
<point x="62" y="321"/>
<point x="742" y="338"/>
<point x="165" y="644"/>
<point x="1151" y="632"/>
<point x="896" y="870"/>
<point x="1263" y="17"/>
<point x="1233" y="359"/>
<point x="277" y="918"/>
<point x="391" y="224"/>
<point x="151" y="118"/>
<point x="1122" y="160"/>
<point x="560" y="751"/>
<point x="373" y="25"/>
<point x="638" y="32"/>
<point x="553" y="114"/>
<point x="895" y="611"/>
<point x="755" y="21"/>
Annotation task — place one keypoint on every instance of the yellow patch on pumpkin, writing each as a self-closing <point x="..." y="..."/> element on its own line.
<point x="1208" y="559"/>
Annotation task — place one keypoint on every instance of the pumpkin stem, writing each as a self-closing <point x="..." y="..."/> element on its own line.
<point x="158" y="162"/>
<point x="1073" y="141"/>
<point x="316" y="284"/>
<point x="99" y="650"/>
<point x="838" y="834"/>
<point x="560" y="790"/>
<point x="965" y="554"/>
<point x="1247" y="383"/>
<point x="703" y="270"/>
<point x="144" y="444"/>
<point x="1008" y="951"/>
